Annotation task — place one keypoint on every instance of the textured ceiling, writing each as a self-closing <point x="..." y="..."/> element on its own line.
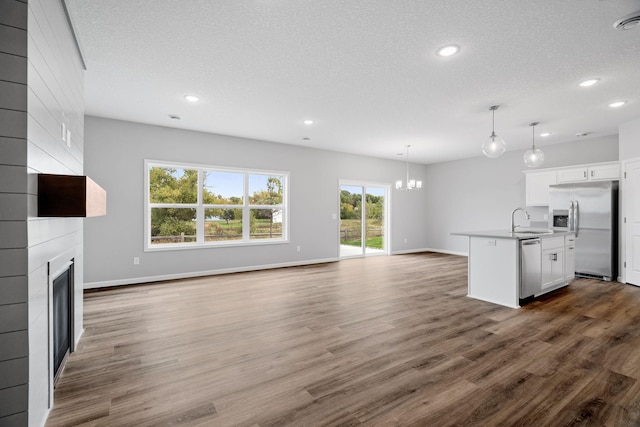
<point x="364" y="70"/>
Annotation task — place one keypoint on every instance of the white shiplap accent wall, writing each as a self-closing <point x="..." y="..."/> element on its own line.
<point x="55" y="96"/>
<point x="41" y="86"/>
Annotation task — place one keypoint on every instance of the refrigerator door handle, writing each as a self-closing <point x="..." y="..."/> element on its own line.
<point x="571" y="224"/>
<point x="576" y="217"/>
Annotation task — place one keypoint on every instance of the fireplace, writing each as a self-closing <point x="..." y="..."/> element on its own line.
<point x="62" y="309"/>
<point x="61" y="315"/>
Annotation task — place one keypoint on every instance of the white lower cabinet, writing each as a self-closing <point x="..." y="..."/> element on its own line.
<point x="569" y="258"/>
<point x="553" y="263"/>
<point x="552" y="268"/>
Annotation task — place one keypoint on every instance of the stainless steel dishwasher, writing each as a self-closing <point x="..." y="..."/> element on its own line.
<point x="530" y="267"/>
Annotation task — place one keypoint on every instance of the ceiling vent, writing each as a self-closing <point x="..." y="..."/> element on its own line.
<point x="628" y="22"/>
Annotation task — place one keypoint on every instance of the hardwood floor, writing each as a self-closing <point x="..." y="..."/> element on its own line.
<point x="379" y="341"/>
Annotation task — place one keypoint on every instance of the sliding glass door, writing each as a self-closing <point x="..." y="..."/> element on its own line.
<point x="363" y="219"/>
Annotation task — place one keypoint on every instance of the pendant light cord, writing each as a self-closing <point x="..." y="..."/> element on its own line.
<point x="408" y="165"/>
<point x="493" y="122"/>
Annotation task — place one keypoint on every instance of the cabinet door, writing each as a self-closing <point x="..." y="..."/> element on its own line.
<point x="570" y="263"/>
<point x="552" y="268"/>
<point x="557" y="267"/>
<point x="547" y="267"/>
<point x="537" y="187"/>
<point x="573" y="175"/>
<point x="606" y="172"/>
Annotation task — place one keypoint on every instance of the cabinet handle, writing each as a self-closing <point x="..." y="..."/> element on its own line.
<point x="591" y="174"/>
<point x="584" y="173"/>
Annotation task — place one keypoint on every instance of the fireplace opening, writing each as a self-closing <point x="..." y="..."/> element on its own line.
<point x="62" y="319"/>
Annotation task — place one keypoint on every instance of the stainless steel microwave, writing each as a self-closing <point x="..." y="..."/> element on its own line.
<point x="560" y="219"/>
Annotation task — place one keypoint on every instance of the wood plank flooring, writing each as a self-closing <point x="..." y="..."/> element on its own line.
<point x="379" y="341"/>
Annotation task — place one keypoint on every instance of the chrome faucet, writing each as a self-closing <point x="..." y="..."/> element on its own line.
<point x="513" y="225"/>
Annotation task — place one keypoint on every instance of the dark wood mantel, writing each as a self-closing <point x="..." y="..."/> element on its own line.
<point x="70" y="196"/>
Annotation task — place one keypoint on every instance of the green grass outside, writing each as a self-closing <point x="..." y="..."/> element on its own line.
<point x="373" y="242"/>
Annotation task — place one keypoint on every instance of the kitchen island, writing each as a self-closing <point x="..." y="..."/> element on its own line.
<point x="499" y="273"/>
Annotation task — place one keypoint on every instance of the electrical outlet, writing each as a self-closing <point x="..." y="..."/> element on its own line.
<point x="545" y="217"/>
<point x="299" y="249"/>
<point x="334" y="216"/>
<point x="405" y="240"/>
<point x="136" y="260"/>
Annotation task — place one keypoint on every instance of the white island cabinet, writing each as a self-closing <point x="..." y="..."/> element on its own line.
<point x="552" y="262"/>
<point x="495" y="264"/>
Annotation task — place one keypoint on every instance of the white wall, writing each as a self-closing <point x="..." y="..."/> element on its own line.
<point x="480" y="193"/>
<point x="630" y="139"/>
<point x="114" y="156"/>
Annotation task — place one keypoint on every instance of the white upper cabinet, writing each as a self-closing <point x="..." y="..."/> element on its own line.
<point x="608" y="172"/>
<point x="573" y="175"/>
<point x="537" y="182"/>
<point x="605" y="171"/>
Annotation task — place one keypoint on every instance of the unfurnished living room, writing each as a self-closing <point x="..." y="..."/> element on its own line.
<point x="319" y="213"/>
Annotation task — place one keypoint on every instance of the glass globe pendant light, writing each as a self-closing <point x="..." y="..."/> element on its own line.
<point x="495" y="146"/>
<point x="534" y="157"/>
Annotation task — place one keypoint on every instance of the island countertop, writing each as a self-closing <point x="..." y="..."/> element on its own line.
<point x="519" y="234"/>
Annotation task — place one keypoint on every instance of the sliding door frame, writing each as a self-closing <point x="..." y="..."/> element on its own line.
<point x="386" y="250"/>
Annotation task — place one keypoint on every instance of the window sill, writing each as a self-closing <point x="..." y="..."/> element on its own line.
<point x="216" y="245"/>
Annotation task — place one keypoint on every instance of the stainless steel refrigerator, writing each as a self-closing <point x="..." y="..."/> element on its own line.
<point x="590" y="209"/>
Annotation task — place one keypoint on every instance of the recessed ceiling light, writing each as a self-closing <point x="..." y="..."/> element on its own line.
<point x="308" y="122"/>
<point x="174" y="116"/>
<point x="545" y="134"/>
<point x="617" y="104"/>
<point x="192" y="98"/>
<point x="589" y="82"/>
<point x="448" y="50"/>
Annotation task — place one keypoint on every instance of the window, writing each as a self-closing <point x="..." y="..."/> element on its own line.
<point x="193" y="206"/>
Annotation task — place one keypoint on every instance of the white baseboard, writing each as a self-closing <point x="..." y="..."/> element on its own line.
<point x="78" y="339"/>
<point x="159" y="278"/>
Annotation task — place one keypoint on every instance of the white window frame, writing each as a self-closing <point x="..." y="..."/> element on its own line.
<point x="246" y="208"/>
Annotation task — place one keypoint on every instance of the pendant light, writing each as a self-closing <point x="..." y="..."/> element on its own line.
<point x="412" y="184"/>
<point x="495" y="146"/>
<point x="534" y="157"/>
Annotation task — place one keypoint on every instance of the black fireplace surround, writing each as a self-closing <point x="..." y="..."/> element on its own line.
<point x="62" y="318"/>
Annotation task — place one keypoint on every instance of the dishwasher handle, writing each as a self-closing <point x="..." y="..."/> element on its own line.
<point x="530" y="242"/>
